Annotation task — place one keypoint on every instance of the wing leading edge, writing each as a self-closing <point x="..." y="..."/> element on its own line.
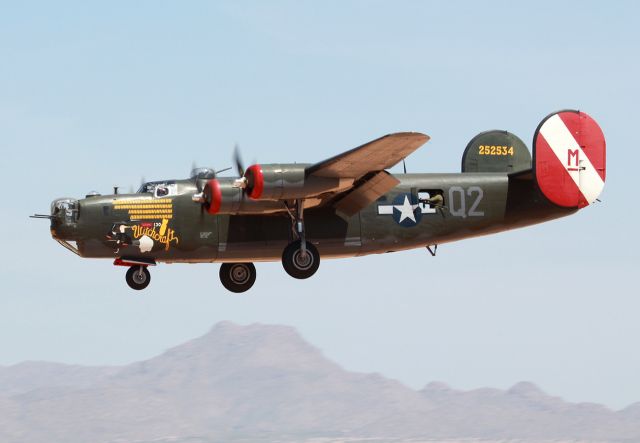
<point x="374" y="156"/>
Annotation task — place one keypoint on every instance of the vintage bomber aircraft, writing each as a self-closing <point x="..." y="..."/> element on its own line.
<point x="346" y="206"/>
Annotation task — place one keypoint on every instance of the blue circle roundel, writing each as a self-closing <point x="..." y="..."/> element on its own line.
<point x="406" y="210"/>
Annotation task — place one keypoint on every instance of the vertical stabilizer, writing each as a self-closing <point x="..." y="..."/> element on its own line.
<point x="569" y="158"/>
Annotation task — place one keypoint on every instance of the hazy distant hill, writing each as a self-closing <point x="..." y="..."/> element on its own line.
<point x="265" y="383"/>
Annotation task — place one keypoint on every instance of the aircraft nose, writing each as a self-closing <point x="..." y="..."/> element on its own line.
<point x="64" y="218"/>
<point x="65" y="210"/>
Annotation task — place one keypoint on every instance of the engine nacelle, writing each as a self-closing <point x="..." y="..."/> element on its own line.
<point x="288" y="182"/>
<point x="221" y="196"/>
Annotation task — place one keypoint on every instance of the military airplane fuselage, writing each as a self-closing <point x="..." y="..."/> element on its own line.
<point x="476" y="204"/>
<point x="346" y="206"/>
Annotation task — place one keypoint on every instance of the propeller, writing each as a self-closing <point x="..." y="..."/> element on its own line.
<point x="195" y="176"/>
<point x="237" y="160"/>
<point x="245" y="178"/>
<point x="201" y="176"/>
<point x="245" y="181"/>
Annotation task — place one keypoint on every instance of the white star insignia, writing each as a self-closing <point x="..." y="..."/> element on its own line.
<point x="407" y="210"/>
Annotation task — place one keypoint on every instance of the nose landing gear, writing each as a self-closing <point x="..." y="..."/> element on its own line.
<point x="138" y="277"/>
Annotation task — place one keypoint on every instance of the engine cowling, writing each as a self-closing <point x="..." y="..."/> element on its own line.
<point x="222" y="196"/>
<point x="288" y="182"/>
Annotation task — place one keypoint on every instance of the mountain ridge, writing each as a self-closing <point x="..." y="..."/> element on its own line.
<point x="263" y="381"/>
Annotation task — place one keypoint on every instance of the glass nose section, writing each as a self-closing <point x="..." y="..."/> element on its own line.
<point x="65" y="210"/>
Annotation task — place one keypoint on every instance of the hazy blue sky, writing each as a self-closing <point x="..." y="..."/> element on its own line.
<point x="100" y="94"/>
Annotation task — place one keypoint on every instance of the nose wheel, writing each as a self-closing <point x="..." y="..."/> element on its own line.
<point x="138" y="277"/>
<point x="238" y="277"/>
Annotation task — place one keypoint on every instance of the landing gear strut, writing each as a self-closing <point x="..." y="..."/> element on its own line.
<point x="138" y="277"/>
<point x="300" y="259"/>
<point x="238" y="277"/>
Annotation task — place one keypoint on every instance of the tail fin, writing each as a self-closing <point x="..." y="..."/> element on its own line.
<point x="496" y="151"/>
<point x="569" y="158"/>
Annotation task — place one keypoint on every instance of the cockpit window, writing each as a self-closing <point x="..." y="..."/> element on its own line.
<point x="144" y="188"/>
<point x="162" y="191"/>
<point x="159" y="189"/>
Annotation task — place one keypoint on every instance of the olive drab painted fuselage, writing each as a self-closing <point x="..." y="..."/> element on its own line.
<point x="173" y="229"/>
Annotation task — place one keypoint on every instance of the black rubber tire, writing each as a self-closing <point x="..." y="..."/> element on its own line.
<point x="138" y="281"/>
<point x="238" y="277"/>
<point x="291" y="260"/>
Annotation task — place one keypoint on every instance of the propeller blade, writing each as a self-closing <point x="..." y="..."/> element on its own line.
<point x="237" y="160"/>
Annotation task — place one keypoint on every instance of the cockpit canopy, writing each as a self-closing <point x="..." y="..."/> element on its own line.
<point x="168" y="188"/>
<point x="165" y="188"/>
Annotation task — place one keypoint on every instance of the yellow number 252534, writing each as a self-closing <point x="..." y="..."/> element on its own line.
<point x="496" y="150"/>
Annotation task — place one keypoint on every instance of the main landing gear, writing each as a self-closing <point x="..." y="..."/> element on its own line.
<point x="298" y="262"/>
<point x="238" y="277"/>
<point x="300" y="259"/>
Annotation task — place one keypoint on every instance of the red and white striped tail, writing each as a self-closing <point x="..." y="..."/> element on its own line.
<point x="569" y="157"/>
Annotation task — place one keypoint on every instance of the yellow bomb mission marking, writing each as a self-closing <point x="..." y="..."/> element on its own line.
<point x="146" y="209"/>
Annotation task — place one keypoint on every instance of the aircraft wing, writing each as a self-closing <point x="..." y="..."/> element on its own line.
<point x="374" y="156"/>
<point x="366" y="165"/>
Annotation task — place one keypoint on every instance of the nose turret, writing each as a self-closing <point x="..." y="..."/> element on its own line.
<point x="64" y="218"/>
